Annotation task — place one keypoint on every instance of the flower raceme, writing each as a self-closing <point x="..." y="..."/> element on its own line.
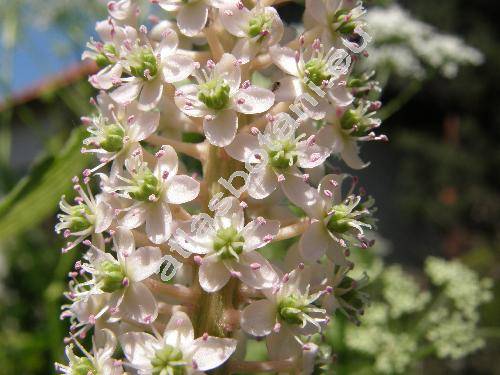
<point x="183" y="107"/>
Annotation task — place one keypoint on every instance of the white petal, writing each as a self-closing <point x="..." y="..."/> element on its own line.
<point x="243" y="147"/>
<point x="179" y="331"/>
<point x="192" y="18"/>
<point x="182" y="189"/>
<point x="146" y="124"/>
<point x="196" y="239"/>
<point x="212" y="352"/>
<point x="177" y="68"/>
<point x="317" y="9"/>
<point x="263" y="278"/>
<point x="158" y="222"/>
<point x="282" y="345"/>
<point x="105" y="30"/>
<point x="139" y="347"/>
<point x="315" y="241"/>
<point x="105" y="78"/>
<point x="168" y="5"/>
<point x="311" y="155"/>
<point x="168" y="43"/>
<point x="289" y="88"/>
<point x="259" y="318"/>
<point x="127" y="92"/>
<point x="134" y="217"/>
<point x="230" y="214"/>
<point x="303" y="195"/>
<point x="213" y="274"/>
<point x="139" y="304"/>
<point x="245" y="50"/>
<point x="236" y="20"/>
<point x="104" y="216"/>
<point x="255" y="232"/>
<point x="190" y="95"/>
<point x="262" y="183"/>
<point x="253" y="100"/>
<point x="227" y="69"/>
<point x="107" y="340"/>
<point x="330" y="138"/>
<point x="167" y="164"/>
<point x="350" y="155"/>
<point x="336" y="254"/>
<point x="144" y="262"/>
<point x="340" y="95"/>
<point x="150" y="94"/>
<point x="284" y="58"/>
<point x="332" y="182"/>
<point x="221" y="130"/>
<point x="124" y="242"/>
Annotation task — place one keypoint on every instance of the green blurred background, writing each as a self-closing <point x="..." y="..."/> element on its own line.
<point x="436" y="182"/>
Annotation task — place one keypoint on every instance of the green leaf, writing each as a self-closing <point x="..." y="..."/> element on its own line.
<point x="36" y="196"/>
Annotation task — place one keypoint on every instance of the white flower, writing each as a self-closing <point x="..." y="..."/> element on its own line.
<point x="117" y="131"/>
<point x="192" y="14"/>
<point x="218" y="97"/>
<point x="411" y="47"/>
<point x="228" y="246"/>
<point x="177" y="351"/>
<point x="123" y="278"/>
<point x="153" y="191"/>
<point x="90" y="216"/>
<point x="257" y="29"/>
<point x="338" y="19"/>
<point x="343" y="293"/>
<point x="150" y="67"/>
<point x="335" y="222"/>
<point x="313" y="72"/>
<point x="345" y="129"/>
<point x="106" y="53"/>
<point x="123" y="11"/>
<point x="86" y="311"/>
<point x="276" y="156"/>
<point x="100" y="361"/>
<point x="286" y="314"/>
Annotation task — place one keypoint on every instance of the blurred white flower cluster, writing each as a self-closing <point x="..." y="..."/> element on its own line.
<point x="412" y="48"/>
<point x="409" y="323"/>
<point x="172" y="271"/>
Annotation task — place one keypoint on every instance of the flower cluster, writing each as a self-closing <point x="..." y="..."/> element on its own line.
<point x="213" y="136"/>
<point x="405" y="324"/>
<point x="412" y="48"/>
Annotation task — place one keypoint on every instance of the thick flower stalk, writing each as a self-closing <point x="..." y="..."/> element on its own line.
<point x="214" y="139"/>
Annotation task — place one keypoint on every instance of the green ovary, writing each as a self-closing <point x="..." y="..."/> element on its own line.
<point x="214" y="94"/>
<point x="102" y="60"/>
<point x="283" y="155"/>
<point x="228" y="243"/>
<point x="316" y="71"/>
<point x="113" y="138"/>
<point x="168" y="360"/>
<point x="339" y="222"/>
<point x="353" y="118"/>
<point x="111" y="276"/>
<point x="290" y="310"/>
<point x="341" y="24"/>
<point x="81" y="218"/>
<point x="258" y="24"/>
<point x="146" y="185"/>
<point x="144" y="61"/>
<point x="82" y="366"/>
